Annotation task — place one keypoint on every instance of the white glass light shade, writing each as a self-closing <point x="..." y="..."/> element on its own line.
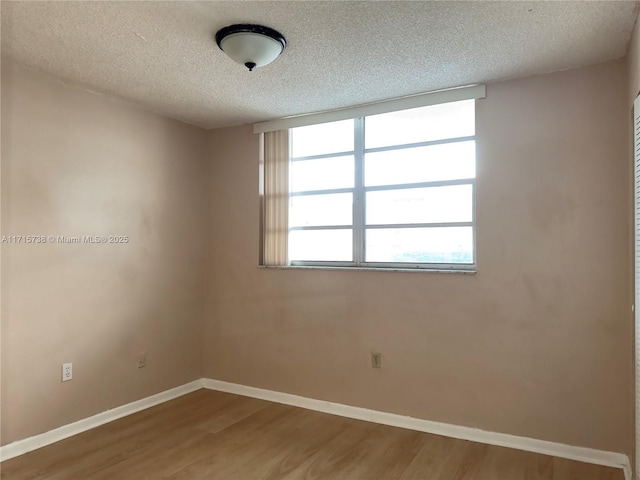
<point x="248" y="47"/>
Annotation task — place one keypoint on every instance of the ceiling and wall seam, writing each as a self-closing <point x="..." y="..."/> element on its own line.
<point x="162" y="56"/>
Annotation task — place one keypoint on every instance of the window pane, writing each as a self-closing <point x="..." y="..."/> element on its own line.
<point x="420" y="205"/>
<point x="418" y="245"/>
<point x="450" y="161"/>
<point x="324" y="245"/>
<point x="435" y="122"/>
<point x="322" y="174"/>
<point x="320" y="139"/>
<point x="321" y="210"/>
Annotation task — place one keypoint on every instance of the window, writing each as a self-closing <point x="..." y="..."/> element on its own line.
<point x="394" y="189"/>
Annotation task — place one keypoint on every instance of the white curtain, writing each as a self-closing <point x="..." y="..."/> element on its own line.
<point x="276" y="198"/>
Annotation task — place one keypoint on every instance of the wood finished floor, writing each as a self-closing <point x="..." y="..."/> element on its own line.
<point x="212" y="435"/>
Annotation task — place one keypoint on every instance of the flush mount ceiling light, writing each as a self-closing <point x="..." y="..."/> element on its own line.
<point x="250" y="45"/>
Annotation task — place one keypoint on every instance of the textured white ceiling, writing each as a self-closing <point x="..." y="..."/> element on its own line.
<point x="163" y="56"/>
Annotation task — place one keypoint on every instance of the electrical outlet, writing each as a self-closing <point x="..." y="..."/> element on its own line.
<point x="67" y="372"/>
<point x="142" y="360"/>
<point x="376" y="359"/>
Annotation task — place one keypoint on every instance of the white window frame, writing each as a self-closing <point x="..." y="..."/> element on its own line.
<point x="358" y="113"/>
<point x="359" y="192"/>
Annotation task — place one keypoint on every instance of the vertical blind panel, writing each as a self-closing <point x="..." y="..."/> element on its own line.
<point x="636" y="141"/>
<point x="276" y="196"/>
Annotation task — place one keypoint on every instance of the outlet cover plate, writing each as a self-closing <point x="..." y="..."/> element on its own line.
<point x="142" y="359"/>
<point x="376" y="360"/>
<point x="67" y="372"/>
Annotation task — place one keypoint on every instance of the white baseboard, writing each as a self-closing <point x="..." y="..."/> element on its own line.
<point x="582" y="454"/>
<point x="21" y="447"/>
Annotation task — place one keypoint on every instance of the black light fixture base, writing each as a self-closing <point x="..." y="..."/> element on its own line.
<point x="250" y="28"/>
<point x="251" y="45"/>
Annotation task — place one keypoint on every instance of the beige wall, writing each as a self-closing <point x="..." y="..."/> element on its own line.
<point x="537" y="343"/>
<point x="75" y="163"/>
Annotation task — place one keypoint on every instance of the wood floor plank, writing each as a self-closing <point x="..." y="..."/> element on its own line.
<point x="464" y="461"/>
<point x="396" y="455"/>
<point x="564" y="469"/>
<point x="538" y="467"/>
<point x="304" y="438"/>
<point x="431" y="459"/>
<point x="236" y="448"/>
<point x="514" y="464"/>
<point x="336" y="455"/>
<point x="237" y="410"/>
<point x="219" y="436"/>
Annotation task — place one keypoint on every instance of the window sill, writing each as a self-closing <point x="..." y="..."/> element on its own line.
<point x="372" y="269"/>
